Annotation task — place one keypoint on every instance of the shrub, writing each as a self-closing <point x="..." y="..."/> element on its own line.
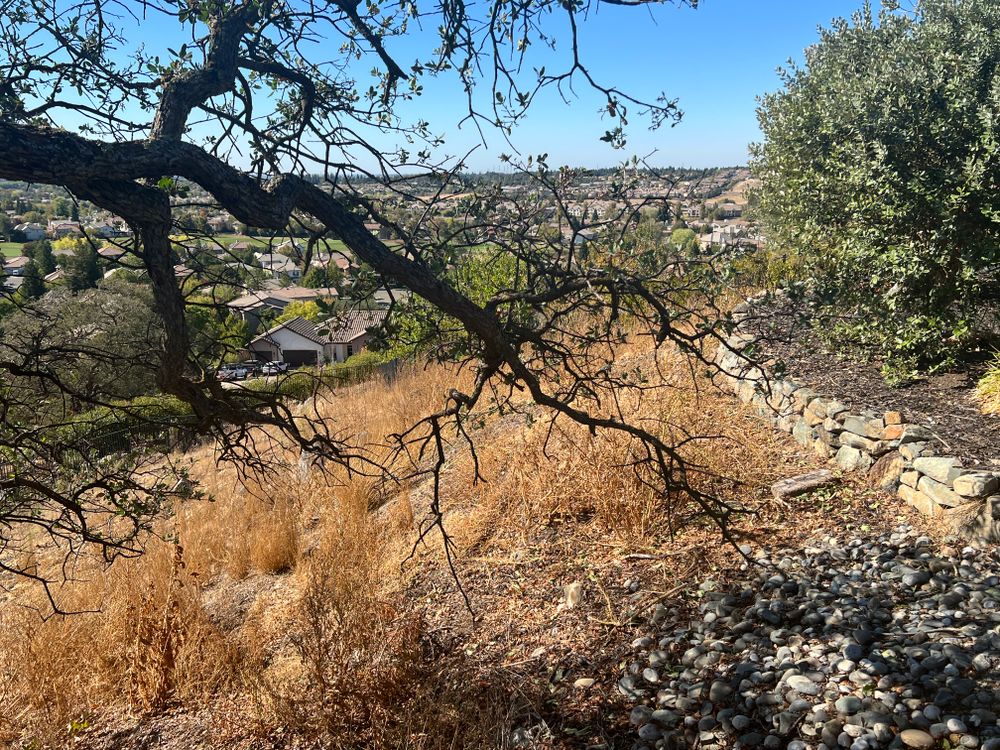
<point x="878" y="168"/>
<point x="988" y="388"/>
<point x="102" y="429"/>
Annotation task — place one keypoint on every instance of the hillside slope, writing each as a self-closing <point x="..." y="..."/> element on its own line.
<point x="299" y="610"/>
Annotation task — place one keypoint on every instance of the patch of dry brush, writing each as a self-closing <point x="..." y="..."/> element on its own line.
<point x="284" y="604"/>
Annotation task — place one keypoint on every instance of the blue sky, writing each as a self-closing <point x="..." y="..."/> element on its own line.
<point x="716" y="60"/>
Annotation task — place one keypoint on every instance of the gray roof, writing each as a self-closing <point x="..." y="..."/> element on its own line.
<point x="354" y="323"/>
<point x="299" y="325"/>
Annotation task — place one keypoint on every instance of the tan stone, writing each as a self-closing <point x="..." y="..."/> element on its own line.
<point x="803" y="397"/>
<point x="857" y="441"/>
<point x="851" y="459"/>
<point x="873" y="447"/>
<point x="887" y="470"/>
<point x="818" y="406"/>
<point x="940" y="493"/>
<point x="943" y="469"/>
<point x="826" y="437"/>
<point x="893" y="418"/>
<point x="976" y="484"/>
<point x="812" y="419"/>
<point x="893" y="432"/>
<point x="920" y="501"/>
<point x="821" y="449"/>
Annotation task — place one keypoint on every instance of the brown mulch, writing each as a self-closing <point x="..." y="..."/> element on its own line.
<point x="944" y="402"/>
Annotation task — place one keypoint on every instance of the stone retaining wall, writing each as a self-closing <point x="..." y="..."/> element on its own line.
<point x="896" y="455"/>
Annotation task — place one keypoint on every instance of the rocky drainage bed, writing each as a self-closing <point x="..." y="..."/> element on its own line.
<point x="897" y="456"/>
<point x="874" y="643"/>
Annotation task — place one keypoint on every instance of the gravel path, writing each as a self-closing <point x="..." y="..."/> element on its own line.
<point x="874" y="643"/>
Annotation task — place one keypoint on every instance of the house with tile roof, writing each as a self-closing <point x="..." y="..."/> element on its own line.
<point x="253" y="305"/>
<point x="15" y="266"/>
<point x="301" y="342"/>
<point x="295" y="341"/>
<point x="349" y="333"/>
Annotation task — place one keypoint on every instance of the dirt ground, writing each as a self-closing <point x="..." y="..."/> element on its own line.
<point x="944" y="402"/>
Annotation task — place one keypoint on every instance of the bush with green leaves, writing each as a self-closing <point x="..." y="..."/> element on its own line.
<point x="988" y="388"/>
<point x="879" y="165"/>
<point x="416" y="326"/>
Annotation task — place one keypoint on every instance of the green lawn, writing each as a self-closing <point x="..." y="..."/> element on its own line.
<point x="11" y="249"/>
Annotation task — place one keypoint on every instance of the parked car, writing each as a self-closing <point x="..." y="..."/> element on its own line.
<point x="252" y="366"/>
<point x="232" y="372"/>
<point x="274" y="368"/>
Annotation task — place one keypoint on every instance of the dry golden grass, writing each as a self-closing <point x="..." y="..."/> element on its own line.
<point x="537" y="475"/>
<point x="150" y="643"/>
<point x="282" y="601"/>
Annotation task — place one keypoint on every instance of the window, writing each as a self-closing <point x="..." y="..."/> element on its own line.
<point x="350" y="350"/>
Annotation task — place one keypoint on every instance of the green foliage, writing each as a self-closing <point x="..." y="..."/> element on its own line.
<point x="768" y="267"/>
<point x="82" y="269"/>
<point x="103" y="428"/>
<point x="988" y="388"/>
<point x="368" y="358"/>
<point x="216" y="336"/>
<point x="101" y="343"/>
<point x="299" y="385"/>
<point x="32" y="287"/>
<point x="122" y="413"/>
<point x="685" y="240"/>
<point x="320" y="277"/>
<point x="41" y="252"/>
<point x="418" y="326"/>
<point x="879" y="168"/>
<point x="309" y="310"/>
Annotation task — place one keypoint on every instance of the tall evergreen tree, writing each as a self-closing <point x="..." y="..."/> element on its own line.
<point x="82" y="271"/>
<point x="32" y="287"/>
<point x="41" y="252"/>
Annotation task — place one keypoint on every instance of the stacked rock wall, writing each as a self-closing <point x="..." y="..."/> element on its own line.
<point x="896" y="455"/>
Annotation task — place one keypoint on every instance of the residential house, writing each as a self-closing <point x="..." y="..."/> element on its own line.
<point x="729" y="211"/>
<point x="15" y="266"/>
<point x="111" y="252"/>
<point x="279" y="265"/>
<point x="59" y="229"/>
<point x="339" y="259"/>
<point x="384" y="298"/>
<point x="253" y="305"/>
<point x="32" y="232"/>
<point x="107" y="231"/>
<point x="349" y="333"/>
<point x="220" y="223"/>
<point x="296" y="341"/>
<point x="730" y="235"/>
<point x="301" y="342"/>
